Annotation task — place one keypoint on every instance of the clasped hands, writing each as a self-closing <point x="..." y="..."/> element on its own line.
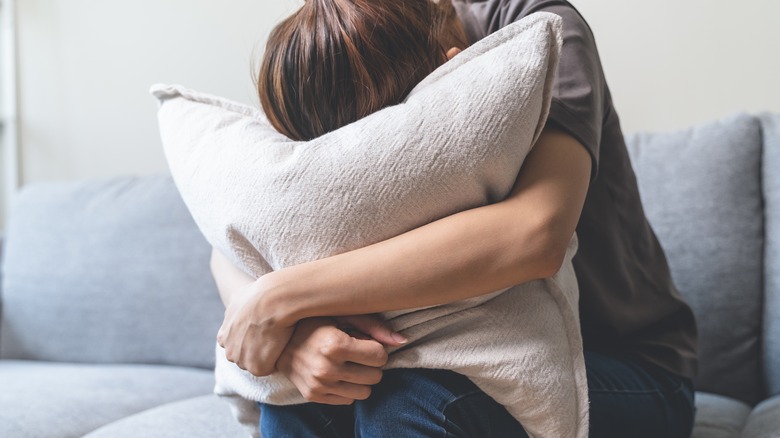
<point x="330" y="360"/>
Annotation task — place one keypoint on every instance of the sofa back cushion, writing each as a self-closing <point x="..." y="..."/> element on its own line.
<point x="701" y="190"/>
<point x="107" y="271"/>
<point x="770" y="124"/>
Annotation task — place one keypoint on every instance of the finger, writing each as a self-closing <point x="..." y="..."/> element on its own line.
<point x="259" y="357"/>
<point x="319" y="392"/>
<point x="369" y="353"/>
<point x="359" y="374"/>
<point x="221" y="335"/>
<point x="313" y="388"/>
<point x="329" y="399"/>
<point x="350" y="391"/>
<point x="336" y="400"/>
<point x="376" y="328"/>
<point x="347" y="372"/>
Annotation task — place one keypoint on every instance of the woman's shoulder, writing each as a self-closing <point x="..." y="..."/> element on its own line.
<point x="480" y="18"/>
<point x="580" y="100"/>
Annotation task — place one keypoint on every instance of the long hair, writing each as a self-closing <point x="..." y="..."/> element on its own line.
<point x="335" y="61"/>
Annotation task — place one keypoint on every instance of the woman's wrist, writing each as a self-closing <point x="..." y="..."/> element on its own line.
<point x="276" y="298"/>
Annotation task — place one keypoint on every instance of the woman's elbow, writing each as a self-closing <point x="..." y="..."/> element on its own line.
<point x="551" y="249"/>
<point x="552" y="260"/>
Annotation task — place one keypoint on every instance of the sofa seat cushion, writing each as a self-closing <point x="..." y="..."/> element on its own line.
<point x="764" y="421"/>
<point x="48" y="399"/>
<point x="205" y="416"/>
<point x="718" y="416"/>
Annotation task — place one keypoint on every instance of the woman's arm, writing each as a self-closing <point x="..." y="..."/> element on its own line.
<point x="229" y="279"/>
<point x="468" y="254"/>
<point x="321" y="345"/>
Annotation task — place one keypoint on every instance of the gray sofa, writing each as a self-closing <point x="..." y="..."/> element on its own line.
<point x="109" y="311"/>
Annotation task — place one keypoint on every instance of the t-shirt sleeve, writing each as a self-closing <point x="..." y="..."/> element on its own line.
<point x="579" y="94"/>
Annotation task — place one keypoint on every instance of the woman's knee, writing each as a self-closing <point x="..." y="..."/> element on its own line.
<point x="406" y="402"/>
<point x="424" y="403"/>
<point x="305" y="420"/>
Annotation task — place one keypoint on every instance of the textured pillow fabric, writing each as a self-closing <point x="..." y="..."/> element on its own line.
<point x="457" y="142"/>
<point x="701" y="189"/>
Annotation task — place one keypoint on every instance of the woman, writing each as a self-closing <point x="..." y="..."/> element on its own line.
<point x="639" y="335"/>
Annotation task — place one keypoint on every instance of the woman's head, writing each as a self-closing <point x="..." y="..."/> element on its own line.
<point x="335" y="61"/>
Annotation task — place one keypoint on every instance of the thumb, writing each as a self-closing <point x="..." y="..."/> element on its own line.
<point x="376" y="328"/>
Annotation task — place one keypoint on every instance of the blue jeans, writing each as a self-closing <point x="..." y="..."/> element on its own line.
<point x="628" y="398"/>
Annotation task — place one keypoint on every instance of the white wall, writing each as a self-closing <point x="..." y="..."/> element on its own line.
<point x="670" y="63"/>
<point x="86" y="66"/>
<point x="8" y="120"/>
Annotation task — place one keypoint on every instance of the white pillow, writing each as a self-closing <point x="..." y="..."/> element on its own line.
<point x="457" y="142"/>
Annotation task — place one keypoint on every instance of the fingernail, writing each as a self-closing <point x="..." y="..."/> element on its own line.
<point x="397" y="337"/>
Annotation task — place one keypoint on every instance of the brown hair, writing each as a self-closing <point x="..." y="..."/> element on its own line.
<point x="335" y="61"/>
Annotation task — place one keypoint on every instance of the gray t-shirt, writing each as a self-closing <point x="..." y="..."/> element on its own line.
<point x="628" y="302"/>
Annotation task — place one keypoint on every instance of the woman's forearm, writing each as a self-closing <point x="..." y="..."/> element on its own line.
<point x="458" y="257"/>
<point x="461" y="256"/>
<point x="228" y="278"/>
